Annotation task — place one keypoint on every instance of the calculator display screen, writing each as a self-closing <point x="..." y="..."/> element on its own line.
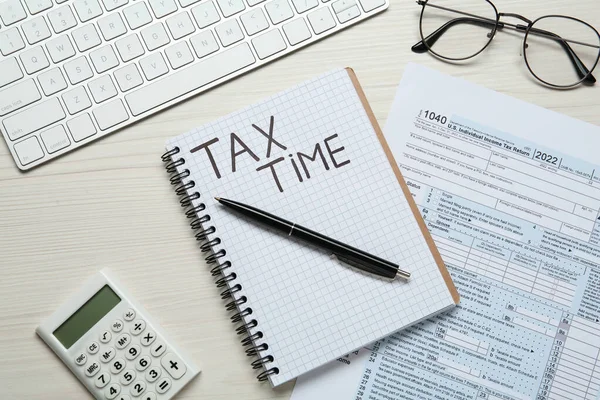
<point x="83" y="319"/>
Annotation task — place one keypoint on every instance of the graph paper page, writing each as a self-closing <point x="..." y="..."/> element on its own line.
<point x="311" y="155"/>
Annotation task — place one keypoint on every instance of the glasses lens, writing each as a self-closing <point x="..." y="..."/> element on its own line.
<point x="561" y="51"/>
<point x="457" y="29"/>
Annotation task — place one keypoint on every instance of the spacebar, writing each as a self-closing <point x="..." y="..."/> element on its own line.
<point x="190" y="79"/>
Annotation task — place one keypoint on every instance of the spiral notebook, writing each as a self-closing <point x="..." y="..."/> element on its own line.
<point x="313" y="154"/>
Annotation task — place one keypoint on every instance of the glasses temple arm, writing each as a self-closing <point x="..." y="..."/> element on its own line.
<point x="424" y="45"/>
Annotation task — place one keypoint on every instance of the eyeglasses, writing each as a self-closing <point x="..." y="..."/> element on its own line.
<point x="559" y="51"/>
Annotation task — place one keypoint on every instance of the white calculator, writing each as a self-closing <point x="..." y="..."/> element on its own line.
<point x="114" y="346"/>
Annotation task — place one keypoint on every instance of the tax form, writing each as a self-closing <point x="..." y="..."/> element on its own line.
<point x="511" y="195"/>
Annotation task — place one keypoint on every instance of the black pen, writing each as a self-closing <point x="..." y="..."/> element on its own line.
<point x="348" y="254"/>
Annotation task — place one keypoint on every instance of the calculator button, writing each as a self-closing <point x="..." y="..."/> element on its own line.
<point x="112" y="391"/>
<point x="129" y="315"/>
<point x="105" y="337"/>
<point x="132" y="352"/>
<point x="163" y="385"/>
<point x="138" y="327"/>
<point x="93" y="348"/>
<point x="81" y="359"/>
<point x="143" y="363"/>
<point x="102" y="380"/>
<point x="149" y="396"/>
<point x="117" y="326"/>
<point x="123" y="397"/>
<point x="117" y="366"/>
<point x="122" y="341"/>
<point x="107" y="355"/>
<point x="138" y="388"/>
<point x="174" y="365"/>
<point x="148" y="338"/>
<point x="153" y="374"/>
<point x="128" y="377"/>
<point x="92" y="369"/>
<point x="158" y="349"/>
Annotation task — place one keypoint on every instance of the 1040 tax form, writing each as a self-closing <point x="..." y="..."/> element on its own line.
<point x="511" y="195"/>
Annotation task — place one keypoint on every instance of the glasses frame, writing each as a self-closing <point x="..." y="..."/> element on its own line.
<point x="583" y="72"/>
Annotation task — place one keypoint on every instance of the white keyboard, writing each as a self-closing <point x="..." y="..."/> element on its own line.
<point x="72" y="71"/>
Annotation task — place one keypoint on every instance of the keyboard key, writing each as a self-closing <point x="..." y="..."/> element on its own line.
<point x="11" y="41"/>
<point x="154" y="66"/>
<point x="52" y="81"/>
<point x="370" y="5"/>
<point x="129" y="47"/>
<point x="348" y="14"/>
<point x="297" y="31"/>
<point x="112" y="391"/>
<point x="268" y="44"/>
<point x="28" y="151"/>
<point x="87" y="9"/>
<point x="254" y="21"/>
<point x="252" y="3"/>
<point x="102" y="380"/>
<point x="163" y="385"/>
<point x="114" y="4"/>
<point x="11" y="11"/>
<point x="9" y="71"/>
<point x="104" y="59"/>
<point x="305" y="5"/>
<point x="158" y="349"/>
<point x="36" y="30"/>
<point x="161" y="8"/>
<point x="37" y="6"/>
<point x="124" y="339"/>
<point x="86" y="37"/>
<point x="279" y="11"/>
<point x="102" y="89"/>
<point x="111" y="114"/>
<point x="34" y="60"/>
<point x="112" y="26"/>
<point x="128" y="77"/>
<point x="180" y="25"/>
<point x="62" y="19"/>
<point x="153" y="374"/>
<point x="204" y="43"/>
<point x="78" y="70"/>
<point x="229" y="32"/>
<point x="81" y="128"/>
<point x="60" y="48"/>
<point x="155" y="36"/>
<point x="205" y="14"/>
<point x="138" y="388"/>
<point x="321" y="20"/>
<point x="128" y="377"/>
<point x="186" y="3"/>
<point x="33" y="119"/>
<point x="137" y="15"/>
<point x="92" y="369"/>
<point x="341" y="5"/>
<point x="18" y="96"/>
<point x="117" y="366"/>
<point x="179" y="55"/>
<point x="187" y="80"/>
<point x="76" y="100"/>
<point x="174" y="365"/>
<point x="231" y="7"/>
<point x="55" y="139"/>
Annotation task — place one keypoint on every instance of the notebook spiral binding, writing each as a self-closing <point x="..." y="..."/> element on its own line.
<point x="221" y="268"/>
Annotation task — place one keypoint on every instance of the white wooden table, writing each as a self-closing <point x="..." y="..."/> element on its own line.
<point x="110" y="204"/>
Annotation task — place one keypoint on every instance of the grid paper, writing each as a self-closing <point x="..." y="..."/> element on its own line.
<point x="310" y="307"/>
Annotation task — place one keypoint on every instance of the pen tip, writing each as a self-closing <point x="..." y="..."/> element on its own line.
<point x="217" y="198"/>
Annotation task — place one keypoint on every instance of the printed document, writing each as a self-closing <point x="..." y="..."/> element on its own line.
<point x="511" y="194"/>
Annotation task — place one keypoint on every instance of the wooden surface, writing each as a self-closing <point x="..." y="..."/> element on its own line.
<point x="110" y="204"/>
